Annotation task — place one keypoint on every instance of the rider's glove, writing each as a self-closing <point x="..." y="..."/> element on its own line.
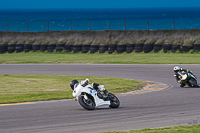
<point x="84" y="83"/>
<point x="101" y="88"/>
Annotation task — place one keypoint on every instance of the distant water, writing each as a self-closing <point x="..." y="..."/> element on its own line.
<point x="136" y="18"/>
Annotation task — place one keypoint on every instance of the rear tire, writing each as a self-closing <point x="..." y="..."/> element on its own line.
<point x="193" y="83"/>
<point x="114" y="102"/>
<point x="86" y="104"/>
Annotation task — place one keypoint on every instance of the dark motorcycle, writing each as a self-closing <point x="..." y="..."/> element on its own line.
<point x="188" y="79"/>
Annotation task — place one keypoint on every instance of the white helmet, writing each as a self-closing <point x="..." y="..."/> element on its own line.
<point x="177" y="68"/>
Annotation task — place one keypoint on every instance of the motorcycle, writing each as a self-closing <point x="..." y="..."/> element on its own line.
<point x="88" y="99"/>
<point x="188" y="79"/>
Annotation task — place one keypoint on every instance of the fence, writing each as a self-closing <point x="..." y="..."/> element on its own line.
<point x="90" y="26"/>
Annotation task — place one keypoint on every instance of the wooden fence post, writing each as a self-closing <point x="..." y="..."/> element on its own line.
<point x="108" y="26"/>
<point x="110" y="38"/>
<point x="70" y="25"/>
<point x="47" y="26"/>
<point x="147" y="24"/>
<point x="90" y="25"/>
<point x="27" y="27"/>
<point x="125" y="25"/>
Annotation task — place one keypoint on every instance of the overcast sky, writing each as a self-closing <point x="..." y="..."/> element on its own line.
<point x="20" y="4"/>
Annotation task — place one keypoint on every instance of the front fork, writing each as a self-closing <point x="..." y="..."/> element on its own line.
<point x="85" y="97"/>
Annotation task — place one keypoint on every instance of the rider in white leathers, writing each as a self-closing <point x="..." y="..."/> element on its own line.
<point x="96" y="86"/>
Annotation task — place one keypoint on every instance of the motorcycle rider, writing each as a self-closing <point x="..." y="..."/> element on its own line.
<point x="176" y="75"/>
<point x="96" y="86"/>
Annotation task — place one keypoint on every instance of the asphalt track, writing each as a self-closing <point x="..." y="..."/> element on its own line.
<point x="169" y="107"/>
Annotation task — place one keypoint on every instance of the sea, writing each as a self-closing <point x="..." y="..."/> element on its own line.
<point x="34" y="20"/>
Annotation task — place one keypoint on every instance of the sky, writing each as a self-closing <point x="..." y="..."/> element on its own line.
<point x="39" y="4"/>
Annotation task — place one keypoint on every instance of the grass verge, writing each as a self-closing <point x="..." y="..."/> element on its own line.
<point x="185" y="37"/>
<point x="24" y="88"/>
<point x="176" y="129"/>
<point x="133" y="58"/>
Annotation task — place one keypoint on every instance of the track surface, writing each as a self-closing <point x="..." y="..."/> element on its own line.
<point x="169" y="107"/>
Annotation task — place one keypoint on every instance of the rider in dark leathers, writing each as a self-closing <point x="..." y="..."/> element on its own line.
<point x="178" y="69"/>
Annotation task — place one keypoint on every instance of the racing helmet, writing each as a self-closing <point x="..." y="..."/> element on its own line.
<point x="72" y="83"/>
<point x="177" y="68"/>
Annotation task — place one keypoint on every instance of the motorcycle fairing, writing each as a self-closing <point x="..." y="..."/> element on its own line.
<point x="100" y="103"/>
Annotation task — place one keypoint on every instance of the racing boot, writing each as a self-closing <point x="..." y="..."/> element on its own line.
<point x="105" y="92"/>
<point x="182" y="85"/>
<point x="105" y="95"/>
<point x="95" y="86"/>
<point x="99" y="94"/>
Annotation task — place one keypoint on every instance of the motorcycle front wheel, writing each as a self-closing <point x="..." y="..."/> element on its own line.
<point x="86" y="103"/>
<point x="114" y="101"/>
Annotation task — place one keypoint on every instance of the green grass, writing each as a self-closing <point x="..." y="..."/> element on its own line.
<point x="176" y="129"/>
<point x="133" y="58"/>
<point x="23" y="88"/>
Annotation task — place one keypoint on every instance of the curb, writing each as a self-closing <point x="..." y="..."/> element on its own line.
<point x="23" y="103"/>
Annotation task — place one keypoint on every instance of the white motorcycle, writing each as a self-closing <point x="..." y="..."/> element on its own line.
<point x="88" y="99"/>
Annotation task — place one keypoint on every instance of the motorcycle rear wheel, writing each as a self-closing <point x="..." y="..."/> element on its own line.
<point x="114" y="101"/>
<point x="193" y="83"/>
<point x="86" y="103"/>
